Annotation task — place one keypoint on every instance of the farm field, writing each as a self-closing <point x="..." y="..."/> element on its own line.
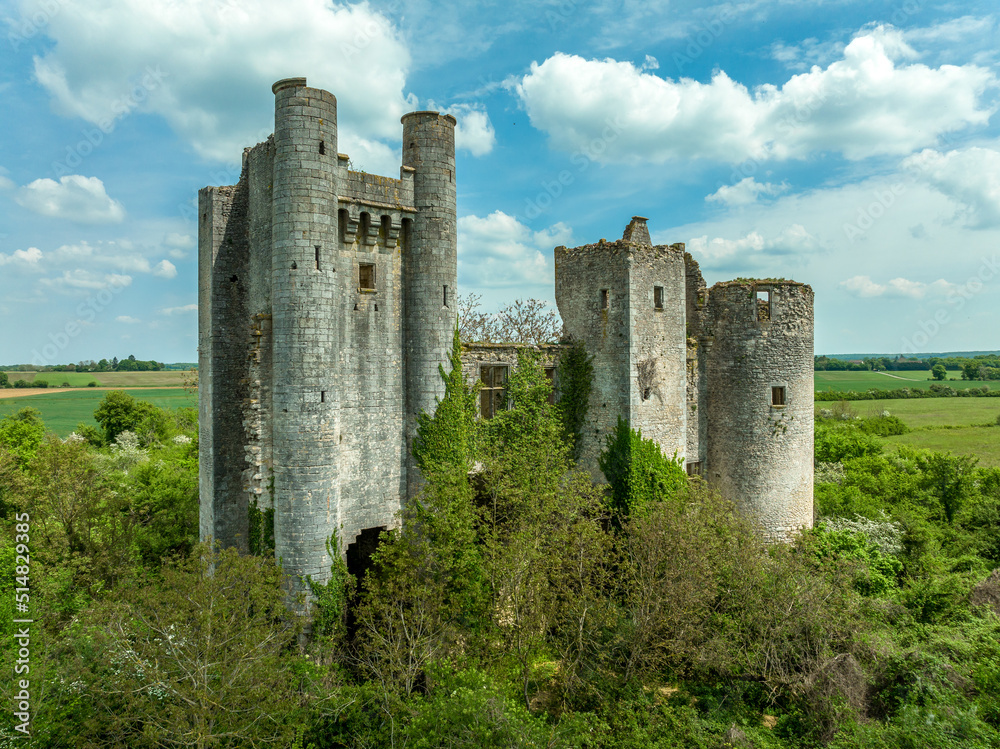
<point x="918" y="413"/>
<point x="106" y="379"/>
<point x="860" y="381"/>
<point x="61" y="412"/>
<point x="983" y="442"/>
<point x="955" y="424"/>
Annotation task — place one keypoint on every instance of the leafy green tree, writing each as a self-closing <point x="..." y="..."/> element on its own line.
<point x="202" y="655"/>
<point x="119" y="412"/>
<point x="4" y="380"/>
<point x="427" y="580"/>
<point x="638" y="472"/>
<point x="939" y="372"/>
<point x="950" y="480"/>
<point x="971" y="370"/>
<point x="21" y="433"/>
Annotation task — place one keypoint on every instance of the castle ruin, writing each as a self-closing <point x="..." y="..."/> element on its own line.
<point x="327" y="303"/>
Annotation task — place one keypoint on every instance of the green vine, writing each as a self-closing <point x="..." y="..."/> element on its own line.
<point x="576" y="379"/>
<point x="261" y="530"/>
<point x="331" y="599"/>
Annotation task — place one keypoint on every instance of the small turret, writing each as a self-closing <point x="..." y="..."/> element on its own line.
<point x="430" y="265"/>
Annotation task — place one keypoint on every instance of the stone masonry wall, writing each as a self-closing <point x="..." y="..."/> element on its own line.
<point x="658" y="346"/>
<point x="582" y="273"/>
<point x="222" y="361"/>
<point x="431" y="266"/>
<point x="760" y="454"/>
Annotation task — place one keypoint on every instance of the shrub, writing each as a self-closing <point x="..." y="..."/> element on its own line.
<point x="883" y="425"/>
<point x="638" y="472"/>
<point x="836" y="444"/>
<point x="40" y="383"/>
<point x="91" y="384"/>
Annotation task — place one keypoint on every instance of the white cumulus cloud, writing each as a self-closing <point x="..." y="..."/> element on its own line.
<point x="474" y="131"/>
<point x="499" y="251"/>
<point x="865" y="288"/>
<point x="207" y="67"/>
<point x="744" y="192"/>
<point x="874" y="100"/>
<point x="127" y="319"/>
<point x="969" y="176"/>
<point x="29" y="258"/>
<point x="74" y="197"/>
<point x="752" y="249"/>
<point x="165" y="269"/>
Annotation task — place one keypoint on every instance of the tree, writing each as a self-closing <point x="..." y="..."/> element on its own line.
<point x="21" y="434"/>
<point x="950" y="479"/>
<point x="4" y="380"/>
<point x="971" y="371"/>
<point x="427" y="578"/>
<point x="201" y="656"/>
<point x="522" y="321"/>
<point x="939" y="372"/>
<point x="119" y="412"/>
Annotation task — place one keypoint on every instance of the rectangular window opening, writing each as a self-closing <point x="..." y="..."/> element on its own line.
<point x="778" y="395"/>
<point x="317" y="257"/>
<point x="605" y="298"/>
<point x="657" y="297"/>
<point x="693" y="467"/>
<point x="322" y="396"/>
<point x="763" y="305"/>
<point x="366" y="276"/>
<point x="550" y="375"/>
<point x="493" y="394"/>
<point x="445" y="296"/>
<point x="322" y="148"/>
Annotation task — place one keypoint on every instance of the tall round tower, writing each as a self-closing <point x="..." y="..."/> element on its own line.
<point x="760" y="401"/>
<point x="304" y="234"/>
<point x="430" y="265"/>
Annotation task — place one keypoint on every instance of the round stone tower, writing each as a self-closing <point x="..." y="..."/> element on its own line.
<point x="430" y="265"/>
<point x="760" y="401"/>
<point x="304" y="234"/>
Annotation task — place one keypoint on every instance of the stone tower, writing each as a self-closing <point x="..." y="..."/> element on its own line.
<point x="326" y="304"/>
<point x="431" y="264"/>
<point x="722" y="377"/>
<point x="759" y="400"/>
<point x="626" y="301"/>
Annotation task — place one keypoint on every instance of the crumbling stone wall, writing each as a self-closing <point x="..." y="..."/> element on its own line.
<point x="626" y="300"/>
<point x="760" y="454"/>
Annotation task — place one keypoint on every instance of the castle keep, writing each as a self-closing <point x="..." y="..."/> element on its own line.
<point x="327" y="303"/>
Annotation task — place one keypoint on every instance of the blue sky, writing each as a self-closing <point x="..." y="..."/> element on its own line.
<point x="854" y="146"/>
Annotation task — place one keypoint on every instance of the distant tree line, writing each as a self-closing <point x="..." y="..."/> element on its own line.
<point x="972" y="368"/>
<point x="129" y="364"/>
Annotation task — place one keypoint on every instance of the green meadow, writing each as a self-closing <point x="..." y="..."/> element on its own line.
<point x="61" y="412"/>
<point x="966" y="426"/>
<point x="860" y="381"/>
<point x="163" y="378"/>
